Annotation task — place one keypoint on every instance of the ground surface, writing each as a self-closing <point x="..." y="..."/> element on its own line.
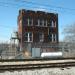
<point x="45" y="71"/>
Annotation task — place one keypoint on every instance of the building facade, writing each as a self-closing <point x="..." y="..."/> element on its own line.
<point x="37" y="27"/>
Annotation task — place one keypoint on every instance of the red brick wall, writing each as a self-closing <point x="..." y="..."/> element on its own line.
<point x="22" y="27"/>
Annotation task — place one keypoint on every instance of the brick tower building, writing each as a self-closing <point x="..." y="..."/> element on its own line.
<point x="37" y="28"/>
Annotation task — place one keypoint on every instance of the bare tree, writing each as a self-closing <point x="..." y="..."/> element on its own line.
<point x="69" y="39"/>
<point x="69" y="33"/>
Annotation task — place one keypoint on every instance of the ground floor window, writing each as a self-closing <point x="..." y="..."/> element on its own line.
<point x="52" y="37"/>
<point x="28" y="37"/>
<point x="41" y="37"/>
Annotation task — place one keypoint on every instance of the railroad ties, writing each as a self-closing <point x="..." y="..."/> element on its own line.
<point x="35" y="64"/>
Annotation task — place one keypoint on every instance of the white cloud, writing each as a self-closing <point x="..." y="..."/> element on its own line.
<point x="40" y="8"/>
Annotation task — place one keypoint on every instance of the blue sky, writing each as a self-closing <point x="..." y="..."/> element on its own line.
<point x="9" y="12"/>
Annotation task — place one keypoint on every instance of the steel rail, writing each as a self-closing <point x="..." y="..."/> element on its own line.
<point x="35" y="66"/>
<point x="34" y="59"/>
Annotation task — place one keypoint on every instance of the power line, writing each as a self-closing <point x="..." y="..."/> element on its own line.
<point x="51" y="6"/>
<point x="6" y="4"/>
<point x="22" y="1"/>
<point x="6" y="26"/>
<point x="54" y="8"/>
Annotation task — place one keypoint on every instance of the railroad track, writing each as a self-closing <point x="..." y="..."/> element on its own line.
<point x="34" y="59"/>
<point x="37" y="65"/>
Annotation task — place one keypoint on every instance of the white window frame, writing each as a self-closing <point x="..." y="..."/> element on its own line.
<point x="28" y="37"/>
<point x="41" y="38"/>
<point x="46" y="23"/>
<point x="55" y="24"/>
<point x="53" y="37"/>
<point x="43" y="22"/>
<point x="52" y="23"/>
<point x="38" y="22"/>
<point x="29" y="19"/>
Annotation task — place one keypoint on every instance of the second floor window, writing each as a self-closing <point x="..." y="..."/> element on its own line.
<point x="38" y="22"/>
<point x="30" y="21"/>
<point x="42" y="22"/>
<point x="53" y="23"/>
